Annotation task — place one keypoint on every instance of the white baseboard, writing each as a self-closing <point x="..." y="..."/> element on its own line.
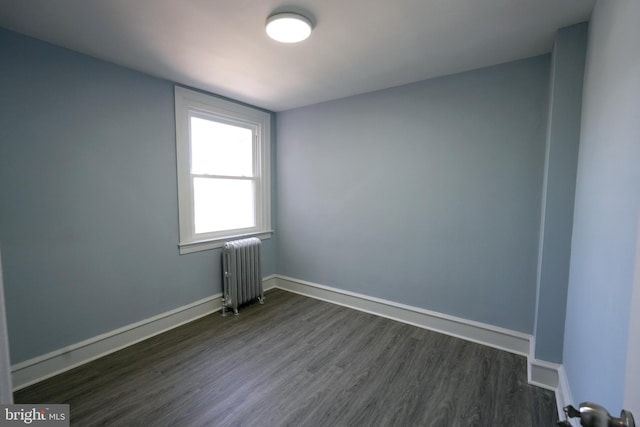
<point x="489" y="335"/>
<point x="543" y="374"/>
<point x="539" y="372"/>
<point x="269" y="282"/>
<point x="42" y="367"/>
<point x="550" y="376"/>
<point x="563" y="396"/>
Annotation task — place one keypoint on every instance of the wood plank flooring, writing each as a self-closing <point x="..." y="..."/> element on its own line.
<point x="296" y="361"/>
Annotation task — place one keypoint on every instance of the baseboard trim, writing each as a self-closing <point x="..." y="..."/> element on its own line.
<point x="540" y="373"/>
<point x="269" y="282"/>
<point x="563" y="395"/>
<point x="543" y="374"/>
<point x="42" y="367"/>
<point x="489" y="335"/>
<point x="550" y="376"/>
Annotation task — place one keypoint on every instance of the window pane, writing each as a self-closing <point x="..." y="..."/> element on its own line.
<point x="220" y="149"/>
<point x="223" y="204"/>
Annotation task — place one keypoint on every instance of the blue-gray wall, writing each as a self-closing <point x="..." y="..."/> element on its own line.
<point x="607" y="208"/>
<point x="561" y="162"/>
<point x="88" y="213"/>
<point x="426" y="194"/>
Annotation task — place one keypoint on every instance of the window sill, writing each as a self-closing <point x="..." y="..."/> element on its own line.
<point x="205" y="245"/>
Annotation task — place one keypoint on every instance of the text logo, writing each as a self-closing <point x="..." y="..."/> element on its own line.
<point x="34" y="415"/>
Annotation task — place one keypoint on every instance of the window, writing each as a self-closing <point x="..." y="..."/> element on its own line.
<point x="223" y="170"/>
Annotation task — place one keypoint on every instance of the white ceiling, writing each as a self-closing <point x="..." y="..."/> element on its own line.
<point x="356" y="46"/>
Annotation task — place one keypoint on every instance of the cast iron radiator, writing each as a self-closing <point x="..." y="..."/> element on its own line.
<point x="242" y="277"/>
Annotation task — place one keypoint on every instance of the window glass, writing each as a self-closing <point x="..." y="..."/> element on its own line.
<point x="223" y="204"/>
<point x="220" y="149"/>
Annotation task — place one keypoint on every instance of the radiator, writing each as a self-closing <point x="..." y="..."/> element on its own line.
<point x="242" y="276"/>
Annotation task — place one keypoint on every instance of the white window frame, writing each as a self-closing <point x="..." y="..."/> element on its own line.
<point x="188" y="103"/>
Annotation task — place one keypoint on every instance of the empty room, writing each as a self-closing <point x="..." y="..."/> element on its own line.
<point x="319" y="213"/>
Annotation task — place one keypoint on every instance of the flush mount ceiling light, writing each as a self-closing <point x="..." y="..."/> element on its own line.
<point x="288" y="27"/>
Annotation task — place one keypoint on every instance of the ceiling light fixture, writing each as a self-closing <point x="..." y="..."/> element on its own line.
<point x="288" y="27"/>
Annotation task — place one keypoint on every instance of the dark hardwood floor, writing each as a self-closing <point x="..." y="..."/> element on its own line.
<point x="296" y="361"/>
